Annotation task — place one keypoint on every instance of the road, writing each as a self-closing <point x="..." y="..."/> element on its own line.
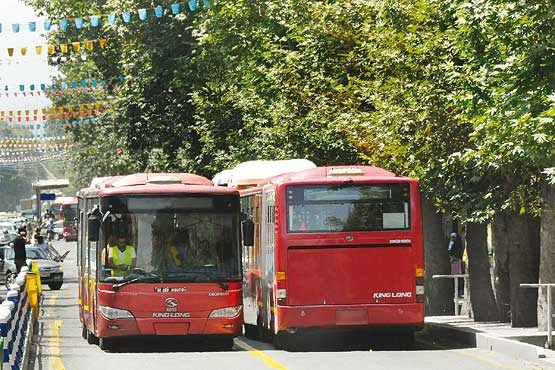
<point x="59" y="346"/>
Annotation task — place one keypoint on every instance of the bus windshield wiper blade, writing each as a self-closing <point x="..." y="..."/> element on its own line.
<point x="138" y="279"/>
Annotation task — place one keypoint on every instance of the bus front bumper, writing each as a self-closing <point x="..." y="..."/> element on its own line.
<point x="330" y="316"/>
<point x="151" y="326"/>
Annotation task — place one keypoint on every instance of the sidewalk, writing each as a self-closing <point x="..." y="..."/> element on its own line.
<point x="522" y="343"/>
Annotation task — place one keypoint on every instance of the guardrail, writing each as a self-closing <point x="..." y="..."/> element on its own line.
<point x="549" y="343"/>
<point x="17" y="319"/>
<point x="456" y="299"/>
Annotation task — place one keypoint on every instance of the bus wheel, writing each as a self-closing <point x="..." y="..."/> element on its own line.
<point x="91" y="338"/>
<point x="106" y="344"/>
<point x="251" y="332"/>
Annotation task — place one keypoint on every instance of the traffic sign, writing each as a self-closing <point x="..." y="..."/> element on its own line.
<point x="47" y="196"/>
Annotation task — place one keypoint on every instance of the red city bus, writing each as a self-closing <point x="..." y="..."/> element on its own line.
<point x="186" y="279"/>
<point x="332" y="249"/>
<point x="68" y="214"/>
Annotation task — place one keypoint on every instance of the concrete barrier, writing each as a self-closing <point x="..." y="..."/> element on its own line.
<point x="16" y="322"/>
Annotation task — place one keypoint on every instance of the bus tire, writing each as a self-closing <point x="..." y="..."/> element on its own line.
<point x="251" y="331"/>
<point x="91" y="338"/>
<point x="106" y="344"/>
<point x="55" y="286"/>
<point x="281" y="341"/>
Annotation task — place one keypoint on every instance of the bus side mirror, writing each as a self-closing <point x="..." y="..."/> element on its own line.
<point x="247" y="228"/>
<point x="93" y="221"/>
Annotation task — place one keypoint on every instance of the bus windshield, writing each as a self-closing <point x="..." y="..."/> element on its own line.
<point x="348" y="207"/>
<point x="69" y="212"/>
<point x="185" y="239"/>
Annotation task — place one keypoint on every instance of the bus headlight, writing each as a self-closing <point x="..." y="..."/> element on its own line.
<point x="115" y="313"/>
<point x="226" y="312"/>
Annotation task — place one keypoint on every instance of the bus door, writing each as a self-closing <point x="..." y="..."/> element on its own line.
<point x="91" y="273"/>
<point x="268" y="254"/>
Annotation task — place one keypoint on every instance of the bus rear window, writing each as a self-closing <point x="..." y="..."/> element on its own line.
<point x="332" y="208"/>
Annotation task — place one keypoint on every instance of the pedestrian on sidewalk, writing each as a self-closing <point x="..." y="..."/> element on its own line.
<point x="20" y="255"/>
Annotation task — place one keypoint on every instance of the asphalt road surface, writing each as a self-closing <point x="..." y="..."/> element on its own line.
<point x="58" y="345"/>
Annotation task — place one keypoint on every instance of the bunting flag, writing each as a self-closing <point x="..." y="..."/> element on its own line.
<point x="95" y="21"/>
<point x="85" y="109"/>
<point x="52" y="125"/>
<point x="64" y="48"/>
<point x="57" y="88"/>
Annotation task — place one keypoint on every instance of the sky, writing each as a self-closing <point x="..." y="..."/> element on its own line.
<point x="19" y="70"/>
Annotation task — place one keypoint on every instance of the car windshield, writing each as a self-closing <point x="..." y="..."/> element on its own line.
<point x="32" y="253"/>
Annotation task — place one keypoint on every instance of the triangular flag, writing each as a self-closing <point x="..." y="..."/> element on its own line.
<point x="0" y="27"/>
<point x="142" y="14"/>
<point x="38" y="49"/>
<point x="102" y="42"/>
<point x="192" y="5"/>
<point x="158" y="11"/>
<point x="47" y="25"/>
<point x="15" y="27"/>
<point x="89" y="45"/>
<point x="51" y="49"/>
<point x="76" y="46"/>
<point x="112" y="18"/>
<point x="207" y="4"/>
<point x="176" y="8"/>
<point x="79" y="23"/>
<point x="95" y="20"/>
<point x="10" y="52"/>
<point x="63" y="48"/>
<point x="126" y="16"/>
<point x="32" y="26"/>
<point x="23" y="51"/>
<point x="63" y="24"/>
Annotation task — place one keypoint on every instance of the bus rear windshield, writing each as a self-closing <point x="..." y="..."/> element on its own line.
<point x="332" y="208"/>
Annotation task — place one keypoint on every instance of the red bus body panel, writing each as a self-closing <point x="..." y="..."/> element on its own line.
<point x="145" y="300"/>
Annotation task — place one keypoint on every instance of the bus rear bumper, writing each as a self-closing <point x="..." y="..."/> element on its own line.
<point x="152" y="327"/>
<point x="404" y="315"/>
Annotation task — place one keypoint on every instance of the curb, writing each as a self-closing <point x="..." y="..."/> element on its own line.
<point x="490" y="342"/>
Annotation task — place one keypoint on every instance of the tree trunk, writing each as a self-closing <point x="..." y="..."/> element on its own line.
<point x="481" y="291"/>
<point x="547" y="252"/>
<point x="500" y="241"/>
<point x="439" y="292"/>
<point x="524" y="265"/>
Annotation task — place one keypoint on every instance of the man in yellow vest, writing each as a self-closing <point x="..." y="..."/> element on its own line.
<point x="121" y="257"/>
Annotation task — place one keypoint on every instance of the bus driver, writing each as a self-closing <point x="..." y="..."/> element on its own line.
<point x="121" y="257"/>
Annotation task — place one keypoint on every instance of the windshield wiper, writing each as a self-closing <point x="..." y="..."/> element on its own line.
<point x="138" y="279"/>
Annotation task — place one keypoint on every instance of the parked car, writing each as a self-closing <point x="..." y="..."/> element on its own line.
<point x="50" y="265"/>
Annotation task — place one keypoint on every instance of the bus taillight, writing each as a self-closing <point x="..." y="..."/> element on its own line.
<point x="281" y="292"/>
<point x="420" y="285"/>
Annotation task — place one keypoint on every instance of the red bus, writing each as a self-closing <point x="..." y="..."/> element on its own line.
<point x="186" y="279"/>
<point x="332" y="249"/>
<point x="68" y="214"/>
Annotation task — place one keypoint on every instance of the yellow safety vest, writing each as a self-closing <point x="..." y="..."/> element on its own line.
<point x="127" y="259"/>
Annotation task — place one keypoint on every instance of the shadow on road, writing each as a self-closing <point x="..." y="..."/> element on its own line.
<point x="168" y="344"/>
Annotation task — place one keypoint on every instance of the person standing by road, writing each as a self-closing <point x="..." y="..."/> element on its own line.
<point x="20" y="256"/>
